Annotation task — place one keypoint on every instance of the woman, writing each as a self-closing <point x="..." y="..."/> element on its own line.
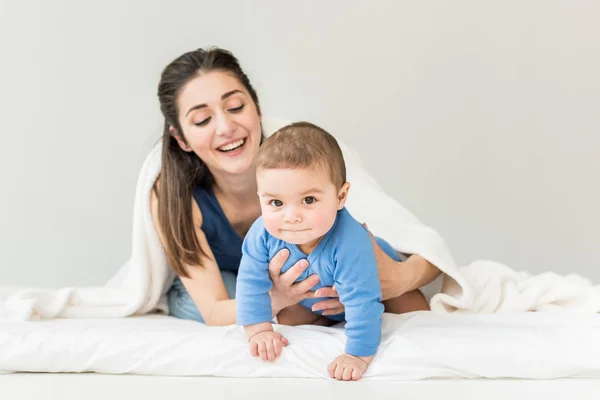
<point x="204" y="200"/>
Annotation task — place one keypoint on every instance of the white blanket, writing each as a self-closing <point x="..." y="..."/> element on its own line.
<point x="140" y="285"/>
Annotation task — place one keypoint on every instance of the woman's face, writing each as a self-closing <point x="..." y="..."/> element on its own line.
<point x="220" y="122"/>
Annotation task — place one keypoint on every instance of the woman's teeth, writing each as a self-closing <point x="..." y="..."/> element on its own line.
<point x="232" y="146"/>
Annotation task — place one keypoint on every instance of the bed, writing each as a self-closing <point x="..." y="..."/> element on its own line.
<point x="423" y="355"/>
<point x="415" y="346"/>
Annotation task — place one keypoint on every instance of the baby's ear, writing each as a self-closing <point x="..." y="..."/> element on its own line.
<point x="343" y="195"/>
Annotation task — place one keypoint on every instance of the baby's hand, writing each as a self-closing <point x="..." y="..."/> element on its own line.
<point x="267" y="345"/>
<point x="348" y="367"/>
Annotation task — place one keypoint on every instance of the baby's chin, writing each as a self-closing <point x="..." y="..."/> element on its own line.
<point x="297" y="238"/>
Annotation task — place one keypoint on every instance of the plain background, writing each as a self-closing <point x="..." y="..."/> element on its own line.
<point x="482" y="118"/>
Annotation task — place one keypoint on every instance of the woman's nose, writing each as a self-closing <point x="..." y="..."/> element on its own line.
<point x="225" y="125"/>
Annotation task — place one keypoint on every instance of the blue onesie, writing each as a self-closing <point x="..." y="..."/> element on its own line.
<point x="343" y="258"/>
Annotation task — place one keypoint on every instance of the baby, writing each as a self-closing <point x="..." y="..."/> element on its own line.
<point x="301" y="178"/>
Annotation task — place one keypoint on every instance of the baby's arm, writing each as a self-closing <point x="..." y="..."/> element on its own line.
<point x="252" y="296"/>
<point x="357" y="281"/>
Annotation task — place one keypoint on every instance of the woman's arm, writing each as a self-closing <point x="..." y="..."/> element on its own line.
<point x="398" y="278"/>
<point x="208" y="291"/>
<point x="205" y="284"/>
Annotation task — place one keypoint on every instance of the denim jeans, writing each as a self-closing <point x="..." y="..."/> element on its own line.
<point x="181" y="304"/>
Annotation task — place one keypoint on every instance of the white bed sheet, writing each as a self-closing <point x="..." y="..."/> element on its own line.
<point x="414" y="346"/>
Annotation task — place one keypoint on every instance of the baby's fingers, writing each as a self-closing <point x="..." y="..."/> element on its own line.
<point x="347" y="373"/>
<point x="254" y="349"/>
<point x="262" y="350"/>
<point x="270" y="349"/>
<point x="357" y="373"/>
<point x="331" y="369"/>
<point x="277" y="347"/>
<point x="339" y="371"/>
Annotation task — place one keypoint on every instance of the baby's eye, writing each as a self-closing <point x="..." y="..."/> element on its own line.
<point x="309" y="200"/>
<point x="276" y="203"/>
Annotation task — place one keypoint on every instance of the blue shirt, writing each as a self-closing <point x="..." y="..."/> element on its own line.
<point x="344" y="258"/>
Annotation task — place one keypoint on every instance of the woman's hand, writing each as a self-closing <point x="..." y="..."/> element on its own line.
<point x="330" y="306"/>
<point x="285" y="292"/>
<point x="396" y="279"/>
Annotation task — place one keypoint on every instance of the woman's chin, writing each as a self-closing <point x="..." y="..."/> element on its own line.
<point x="236" y="166"/>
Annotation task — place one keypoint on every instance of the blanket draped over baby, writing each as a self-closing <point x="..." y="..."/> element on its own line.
<point x="140" y="285"/>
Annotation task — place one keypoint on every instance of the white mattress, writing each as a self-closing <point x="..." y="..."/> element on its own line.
<point x="414" y="346"/>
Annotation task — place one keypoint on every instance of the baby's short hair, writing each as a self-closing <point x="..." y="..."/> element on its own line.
<point x="303" y="145"/>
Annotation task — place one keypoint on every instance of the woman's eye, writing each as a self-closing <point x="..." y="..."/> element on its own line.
<point x="203" y="122"/>
<point x="276" y="203"/>
<point x="237" y="109"/>
<point x="309" y="200"/>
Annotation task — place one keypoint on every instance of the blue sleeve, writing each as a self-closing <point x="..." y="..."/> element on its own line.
<point x="253" y="302"/>
<point x="357" y="282"/>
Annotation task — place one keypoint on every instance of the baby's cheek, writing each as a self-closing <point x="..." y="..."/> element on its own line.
<point x="323" y="223"/>
<point x="271" y="224"/>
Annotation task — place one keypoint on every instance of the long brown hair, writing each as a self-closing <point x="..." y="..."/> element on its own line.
<point x="181" y="171"/>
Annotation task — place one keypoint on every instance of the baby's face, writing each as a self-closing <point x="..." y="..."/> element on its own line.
<point x="299" y="206"/>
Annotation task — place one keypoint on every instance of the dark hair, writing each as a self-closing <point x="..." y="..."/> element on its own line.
<point x="181" y="171"/>
<point x="303" y="145"/>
